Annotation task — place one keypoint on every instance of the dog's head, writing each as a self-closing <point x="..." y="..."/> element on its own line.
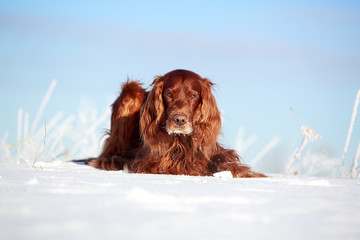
<point x="181" y="103"/>
<point x="182" y="93"/>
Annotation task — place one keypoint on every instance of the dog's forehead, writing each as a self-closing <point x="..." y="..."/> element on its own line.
<point x="185" y="83"/>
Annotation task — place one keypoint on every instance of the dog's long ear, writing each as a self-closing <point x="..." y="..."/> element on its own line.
<point x="207" y="115"/>
<point x="153" y="111"/>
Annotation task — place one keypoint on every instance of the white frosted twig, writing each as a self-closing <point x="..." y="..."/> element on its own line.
<point x="347" y="142"/>
<point x="3" y="144"/>
<point x="19" y="126"/>
<point x="43" y="105"/>
<point x="354" y="173"/>
<point x="91" y="129"/>
<point x="273" y="142"/>
<point x="62" y="129"/>
<point x="26" y="125"/>
<point x="51" y="127"/>
<point x="241" y="146"/>
<point x="4" y="139"/>
<point x="35" y="151"/>
<point x="308" y="136"/>
<point x="54" y="122"/>
<point x="44" y="146"/>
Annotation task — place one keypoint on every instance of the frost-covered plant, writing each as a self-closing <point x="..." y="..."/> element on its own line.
<point x="242" y="145"/>
<point x="347" y="142"/>
<point x="316" y="163"/>
<point x="62" y="137"/>
<point x="270" y="146"/>
<point x="354" y="170"/>
<point x="309" y="135"/>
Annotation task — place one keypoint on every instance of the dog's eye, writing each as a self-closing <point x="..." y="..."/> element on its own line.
<point x="170" y="95"/>
<point x="193" y="97"/>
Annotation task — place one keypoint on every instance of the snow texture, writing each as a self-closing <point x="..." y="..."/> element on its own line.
<point x="63" y="200"/>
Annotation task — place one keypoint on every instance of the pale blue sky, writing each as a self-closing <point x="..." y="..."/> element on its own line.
<point x="264" y="56"/>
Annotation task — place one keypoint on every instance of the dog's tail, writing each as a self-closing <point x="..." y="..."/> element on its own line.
<point x="123" y="139"/>
<point x="86" y="161"/>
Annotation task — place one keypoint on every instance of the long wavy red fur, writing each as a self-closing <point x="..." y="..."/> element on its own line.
<point x="139" y="140"/>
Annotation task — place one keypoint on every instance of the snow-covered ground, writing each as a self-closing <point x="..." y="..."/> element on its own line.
<point x="63" y="200"/>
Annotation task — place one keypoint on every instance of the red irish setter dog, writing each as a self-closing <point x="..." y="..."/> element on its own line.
<point x="173" y="129"/>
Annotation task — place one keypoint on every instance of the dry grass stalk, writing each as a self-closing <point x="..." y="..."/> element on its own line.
<point x="35" y="151"/>
<point x="43" y="105"/>
<point x="17" y="144"/>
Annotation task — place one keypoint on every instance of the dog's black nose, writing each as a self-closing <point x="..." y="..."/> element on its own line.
<point x="180" y="119"/>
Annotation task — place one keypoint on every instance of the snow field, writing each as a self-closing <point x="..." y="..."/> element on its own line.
<point x="63" y="200"/>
